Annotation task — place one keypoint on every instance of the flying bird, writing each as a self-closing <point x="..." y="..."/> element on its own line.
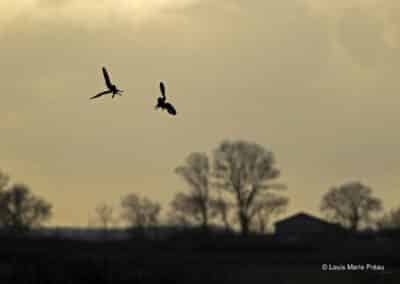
<point x="112" y="89"/>
<point x="161" y="101"/>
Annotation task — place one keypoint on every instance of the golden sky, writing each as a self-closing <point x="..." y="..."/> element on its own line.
<point x="315" y="81"/>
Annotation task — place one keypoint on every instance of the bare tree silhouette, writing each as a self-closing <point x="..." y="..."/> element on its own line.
<point x="196" y="203"/>
<point x="242" y="169"/>
<point x="105" y="215"/>
<point x="222" y="208"/>
<point x="350" y="204"/>
<point x="390" y="220"/>
<point x="20" y="210"/>
<point x="3" y="180"/>
<point x="3" y="207"/>
<point x="186" y="210"/>
<point x="139" y="212"/>
<point x="266" y="206"/>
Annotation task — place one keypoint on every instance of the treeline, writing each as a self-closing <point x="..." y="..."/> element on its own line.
<point x="20" y="210"/>
<point x="235" y="189"/>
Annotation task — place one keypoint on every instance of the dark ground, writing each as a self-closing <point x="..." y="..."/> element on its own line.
<point x="195" y="260"/>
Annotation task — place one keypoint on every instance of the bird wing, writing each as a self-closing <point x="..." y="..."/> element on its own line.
<point x="162" y="88"/>
<point x="170" y="108"/>
<point x="107" y="78"/>
<point x="100" y="94"/>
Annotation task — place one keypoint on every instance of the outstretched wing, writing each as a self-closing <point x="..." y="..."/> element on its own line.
<point x="100" y="94"/>
<point x="170" y="108"/>
<point x="107" y="78"/>
<point x="162" y="88"/>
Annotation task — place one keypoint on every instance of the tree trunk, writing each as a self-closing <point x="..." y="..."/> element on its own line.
<point x="354" y="223"/>
<point x="204" y="224"/>
<point x="244" y="223"/>
<point x="355" y="219"/>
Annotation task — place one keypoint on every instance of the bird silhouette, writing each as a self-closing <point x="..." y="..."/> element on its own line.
<point x="161" y="101"/>
<point x="112" y="89"/>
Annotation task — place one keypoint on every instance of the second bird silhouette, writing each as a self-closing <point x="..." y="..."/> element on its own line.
<point x="112" y="89"/>
<point x="161" y="101"/>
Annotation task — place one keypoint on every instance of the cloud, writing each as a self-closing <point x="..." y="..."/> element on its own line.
<point x="362" y="34"/>
<point x="383" y="12"/>
<point x="90" y="14"/>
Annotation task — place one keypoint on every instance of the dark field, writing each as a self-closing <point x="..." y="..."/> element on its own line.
<point x="198" y="260"/>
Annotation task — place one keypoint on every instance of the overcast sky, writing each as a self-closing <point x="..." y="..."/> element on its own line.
<point x="314" y="81"/>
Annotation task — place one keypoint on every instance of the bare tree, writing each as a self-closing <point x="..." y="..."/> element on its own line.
<point x="185" y="209"/>
<point x="20" y="210"/>
<point x="105" y="215"/>
<point x="267" y="206"/>
<point x="350" y="204"/>
<point x="196" y="203"/>
<point x="175" y="218"/>
<point x="222" y="208"/>
<point x="243" y="169"/>
<point x="4" y="179"/>
<point x="390" y="220"/>
<point x="139" y="211"/>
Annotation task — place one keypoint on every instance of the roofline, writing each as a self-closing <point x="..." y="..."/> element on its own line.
<point x="302" y="213"/>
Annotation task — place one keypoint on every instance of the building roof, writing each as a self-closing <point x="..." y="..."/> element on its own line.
<point x="302" y="216"/>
